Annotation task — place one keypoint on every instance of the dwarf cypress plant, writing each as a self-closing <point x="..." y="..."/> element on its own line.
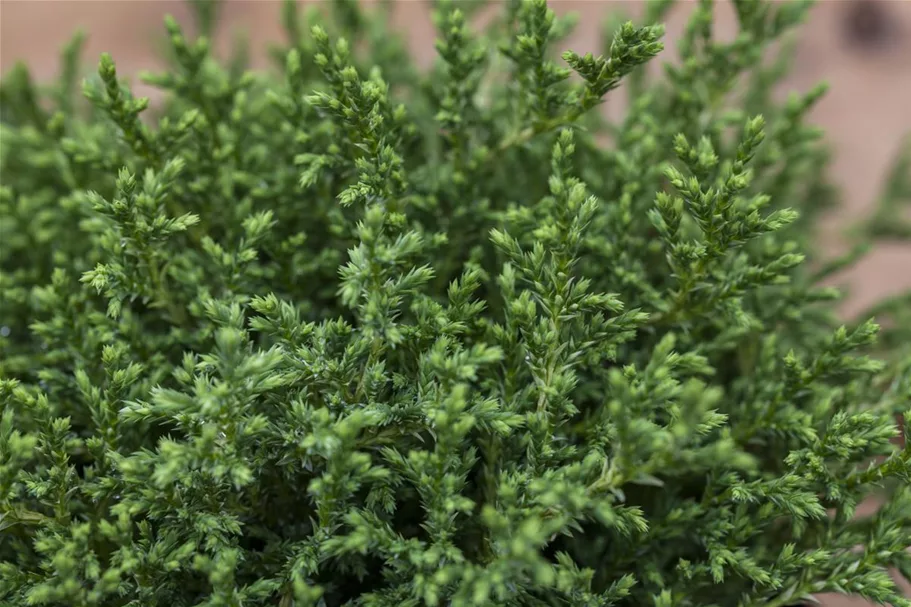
<point x="362" y="334"/>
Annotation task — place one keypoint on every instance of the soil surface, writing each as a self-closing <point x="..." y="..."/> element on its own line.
<point x="862" y="48"/>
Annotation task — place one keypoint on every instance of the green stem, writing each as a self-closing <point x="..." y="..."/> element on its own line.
<point x="176" y="312"/>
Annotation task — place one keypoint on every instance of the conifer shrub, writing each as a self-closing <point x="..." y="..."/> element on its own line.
<point x="350" y="333"/>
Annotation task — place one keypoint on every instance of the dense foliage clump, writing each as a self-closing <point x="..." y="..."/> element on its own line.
<point x="361" y="334"/>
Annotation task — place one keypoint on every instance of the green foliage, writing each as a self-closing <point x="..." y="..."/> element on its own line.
<point x="350" y="333"/>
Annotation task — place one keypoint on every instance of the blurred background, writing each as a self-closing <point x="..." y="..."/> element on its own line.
<point x="862" y="48"/>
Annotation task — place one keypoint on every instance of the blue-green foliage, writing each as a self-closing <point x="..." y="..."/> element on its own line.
<point x="356" y="334"/>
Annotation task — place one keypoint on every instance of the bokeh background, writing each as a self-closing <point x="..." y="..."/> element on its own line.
<point x="862" y="48"/>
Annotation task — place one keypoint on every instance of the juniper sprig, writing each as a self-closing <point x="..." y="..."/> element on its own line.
<point x="351" y="332"/>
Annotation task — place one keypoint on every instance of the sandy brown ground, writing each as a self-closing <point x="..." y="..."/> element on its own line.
<point x="866" y="112"/>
